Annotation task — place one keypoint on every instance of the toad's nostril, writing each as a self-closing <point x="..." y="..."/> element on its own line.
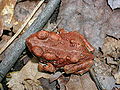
<point x="37" y="51"/>
<point x="42" y="35"/>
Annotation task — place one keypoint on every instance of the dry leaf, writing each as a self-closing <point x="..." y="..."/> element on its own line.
<point x="27" y="77"/>
<point x="6" y="12"/>
<point x="23" y="11"/>
<point x="62" y="81"/>
<point x="111" y="47"/>
<point x="117" y="77"/>
<point x="111" y="50"/>
<point x="114" y="3"/>
<point x="47" y="85"/>
<point x="81" y="83"/>
<point x="4" y="40"/>
<point x="107" y="64"/>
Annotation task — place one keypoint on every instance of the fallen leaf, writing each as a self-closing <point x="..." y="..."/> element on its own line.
<point x="107" y="63"/>
<point x="4" y="40"/>
<point x="111" y="50"/>
<point x="114" y="3"/>
<point x="28" y="74"/>
<point x="117" y="77"/>
<point x="32" y="85"/>
<point x="48" y="85"/>
<point x="83" y="82"/>
<point x="6" y="12"/>
<point x="111" y="47"/>
<point x="23" y="11"/>
<point x="62" y="81"/>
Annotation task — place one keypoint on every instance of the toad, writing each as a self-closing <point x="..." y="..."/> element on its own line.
<point x="69" y="51"/>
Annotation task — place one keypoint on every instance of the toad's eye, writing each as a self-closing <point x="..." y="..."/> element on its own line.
<point x="42" y="35"/>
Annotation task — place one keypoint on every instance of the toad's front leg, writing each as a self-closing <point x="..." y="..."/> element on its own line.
<point x="78" y="68"/>
<point x="46" y="67"/>
<point x="87" y="44"/>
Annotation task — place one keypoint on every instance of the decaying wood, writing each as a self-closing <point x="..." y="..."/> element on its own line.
<point x="18" y="46"/>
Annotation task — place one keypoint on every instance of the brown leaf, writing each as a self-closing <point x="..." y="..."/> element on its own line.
<point x="4" y="40"/>
<point x="107" y="63"/>
<point x="28" y="75"/>
<point x="22" y="12"/>
<point x="62" y="81"/>
<point x="111" y="46"/>
<point x="83" y="82"/>
<point x="117" y="77"/>
<point x="6" y="12"/>
<point x="47" y="85"/>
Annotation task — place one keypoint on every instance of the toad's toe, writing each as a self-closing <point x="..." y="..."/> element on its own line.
<point x="48" y="67"/>
<point x="73" y="68"/>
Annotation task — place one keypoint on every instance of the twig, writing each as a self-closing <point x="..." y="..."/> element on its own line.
<point x="56" y="76"/>
<point x="92" y="73"/>
<point x="22" y="27"/>
<point x="57" y="24"/>
<point x="16" y="48"/>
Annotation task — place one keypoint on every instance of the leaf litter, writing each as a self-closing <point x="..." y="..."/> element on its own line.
<point x="27" y="77"/>
<point x="6" y="15"/>
<point x="95" y="19"/>
<point x="106" y="60"/>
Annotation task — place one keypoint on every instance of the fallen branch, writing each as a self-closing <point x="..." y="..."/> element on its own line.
<point x="22" y="27"/>
<point x="93" y="76"/>
<point x="17" y="47"/>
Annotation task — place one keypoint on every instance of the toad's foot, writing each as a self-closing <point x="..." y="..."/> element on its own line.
<point x="78" y="68"/>
<point x="46" y="67"/>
